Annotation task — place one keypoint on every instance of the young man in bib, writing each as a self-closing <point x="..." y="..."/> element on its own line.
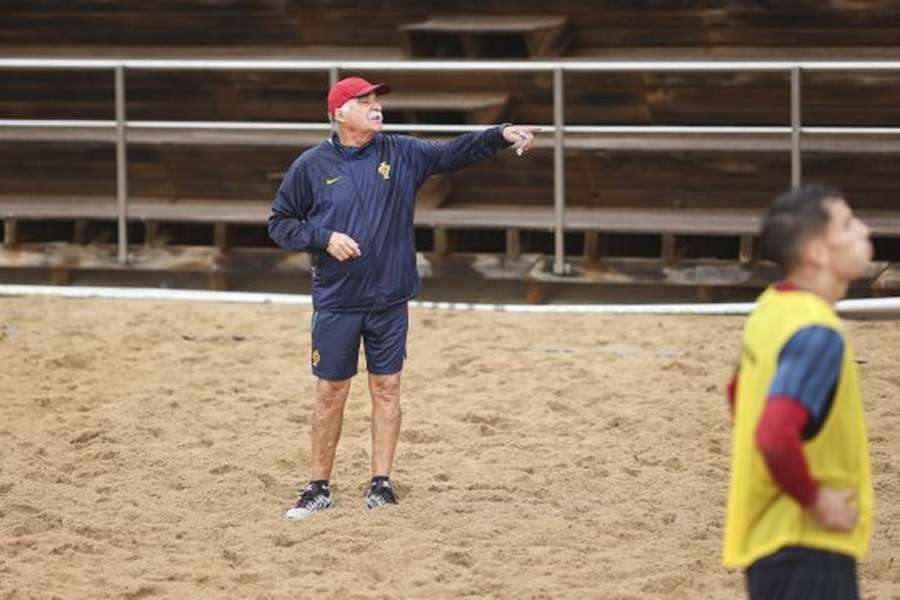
<point x="800" y="499"/>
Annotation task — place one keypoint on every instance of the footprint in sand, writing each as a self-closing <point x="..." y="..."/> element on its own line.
<point x="86" y="437"/>
<point x="460" y="559"/>
<point x="78" y="362"/>
<point x="223" y="469"/>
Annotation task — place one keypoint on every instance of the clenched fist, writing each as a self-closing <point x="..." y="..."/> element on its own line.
<point x="834" y="509"/>
<point x="342" y="247"/>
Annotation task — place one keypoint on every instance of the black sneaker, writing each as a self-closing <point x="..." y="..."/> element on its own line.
<point x="315" y="498"/>
<point x="381" y="493"/>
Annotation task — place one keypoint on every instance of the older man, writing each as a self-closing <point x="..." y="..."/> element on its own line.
<point x="349" y="202"/>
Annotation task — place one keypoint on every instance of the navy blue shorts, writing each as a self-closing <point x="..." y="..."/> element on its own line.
<point x="797" y="573"/>
<point x="336" y="335"/>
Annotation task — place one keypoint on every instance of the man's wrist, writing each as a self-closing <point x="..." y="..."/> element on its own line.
<point x="502" y="141"/>
<point x="322" y="238"/>
<point x="810" y="495"/>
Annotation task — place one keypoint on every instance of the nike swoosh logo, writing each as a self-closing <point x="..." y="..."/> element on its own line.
<point x="331" y="180"/>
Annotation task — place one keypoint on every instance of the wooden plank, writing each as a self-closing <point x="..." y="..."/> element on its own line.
<point x="712" y="273"/>
<point x="513" y="243"/>
<point x="155" y="136"/>
<point x="465" y="101"/>
<point x="434" y="192"/>
<point x="485" y="24"/>
<point x="10" y="232"/>
<point x="104" y="258"/>
<point x="541" y="36"/>
<point x="591" y="246"/>
<point x="674" y="221"/>
<point x="60" y="276"/>
<point x="888" y="280"/>
<point x="81" y="231"/>
<point x="746" y="249"/>
<point x="151" y="234"/>
<point x="104" y="209"/>
<point x="441" y="241"/>
<point x="473" y="108"/>
<point x="669" y="251"/>
<point x="217" y="281"/>
<point x="655" y="272"/>
<point x="883" y="223"/>
<point x="220" y="236"/>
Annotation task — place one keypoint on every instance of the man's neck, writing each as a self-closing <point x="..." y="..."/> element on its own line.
<point x="354" y="139"/>
<point x="820" y="283"/>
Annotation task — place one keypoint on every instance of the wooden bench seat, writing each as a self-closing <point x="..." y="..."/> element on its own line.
<point x="884" y="223"/>
<point x="165" y="135"/>
<point x="471" y="36"/>
<point x="628" y="220"/>
<point x="751" y="52"/>
<point x="473" y="108"/>
<point x="632" y="142"/>
<point x="206" y="52"/>
<point x="139" y="209"/>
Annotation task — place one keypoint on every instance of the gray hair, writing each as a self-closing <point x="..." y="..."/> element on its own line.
<point x="332" y="120"/>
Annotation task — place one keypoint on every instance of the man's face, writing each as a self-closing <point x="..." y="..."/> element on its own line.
<point x="846" y="239"/>
<point x="362" y="114"/>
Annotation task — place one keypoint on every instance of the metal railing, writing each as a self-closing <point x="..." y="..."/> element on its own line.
<point x="558" y="128"/>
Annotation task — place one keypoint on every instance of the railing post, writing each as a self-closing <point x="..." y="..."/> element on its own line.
<point x="796" y="125"/>
<point x="121" y="165"/>
<point x="559" y="181"/>
<point x="332" y="77"/>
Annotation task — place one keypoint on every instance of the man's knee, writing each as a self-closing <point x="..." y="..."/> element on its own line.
<point x="332" y="394"/>
<point x="386" y="388"/>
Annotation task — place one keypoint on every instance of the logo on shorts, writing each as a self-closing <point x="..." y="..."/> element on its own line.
<point x="316" y="357"/>
<point x="384" y="170"/>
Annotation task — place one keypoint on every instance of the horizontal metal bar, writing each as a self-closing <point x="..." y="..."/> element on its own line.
<point x="851" y="130"/>
<point x="57" y="123"/>
<point x="59" y="63"/>
<point x="229" y="125"/>
<point x="850" y="65"/>
<point x="574" y="129"/>
<point x="675" y="129"/>
<point x="438" y="65"/>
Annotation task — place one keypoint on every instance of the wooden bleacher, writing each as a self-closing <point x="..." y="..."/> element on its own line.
<point x="486" y="36"/>
<point x="168" y="188"/>
<point x="469" y="108"/>
<point x="667" y="188"/>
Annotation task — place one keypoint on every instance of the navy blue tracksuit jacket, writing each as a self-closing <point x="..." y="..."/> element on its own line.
<point x="369" y="194"/>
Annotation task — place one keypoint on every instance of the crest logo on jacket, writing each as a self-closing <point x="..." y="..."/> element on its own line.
<point x="384" y="170"/>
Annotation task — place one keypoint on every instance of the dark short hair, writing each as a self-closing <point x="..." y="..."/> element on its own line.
<point x="793" y="218"/>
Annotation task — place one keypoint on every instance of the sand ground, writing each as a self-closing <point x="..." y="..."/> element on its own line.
<point x="149" y="449"/>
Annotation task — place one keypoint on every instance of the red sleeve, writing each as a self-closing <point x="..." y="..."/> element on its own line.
<point x="779" y="438"/>
<point x="732" y="392"/>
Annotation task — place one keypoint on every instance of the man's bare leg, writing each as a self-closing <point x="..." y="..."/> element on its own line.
<point x="385" y="390"/>
<point x="331" y="396"/>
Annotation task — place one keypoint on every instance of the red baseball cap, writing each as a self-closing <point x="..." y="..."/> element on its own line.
<point x="352" y="87"/>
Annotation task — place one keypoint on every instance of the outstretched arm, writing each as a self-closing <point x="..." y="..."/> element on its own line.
<point x="471" y="148"/>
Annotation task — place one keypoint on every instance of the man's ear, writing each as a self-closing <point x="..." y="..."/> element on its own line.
<point x="339" y="114"/>
<point x="815" y="252"/>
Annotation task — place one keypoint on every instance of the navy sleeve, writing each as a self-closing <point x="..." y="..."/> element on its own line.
<point x="808" y="369"/>
<point x="461" y="151"/>
<point x="288" y="226"/>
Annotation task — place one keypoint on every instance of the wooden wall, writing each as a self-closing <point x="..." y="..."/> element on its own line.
<point x="600" y="24"/>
